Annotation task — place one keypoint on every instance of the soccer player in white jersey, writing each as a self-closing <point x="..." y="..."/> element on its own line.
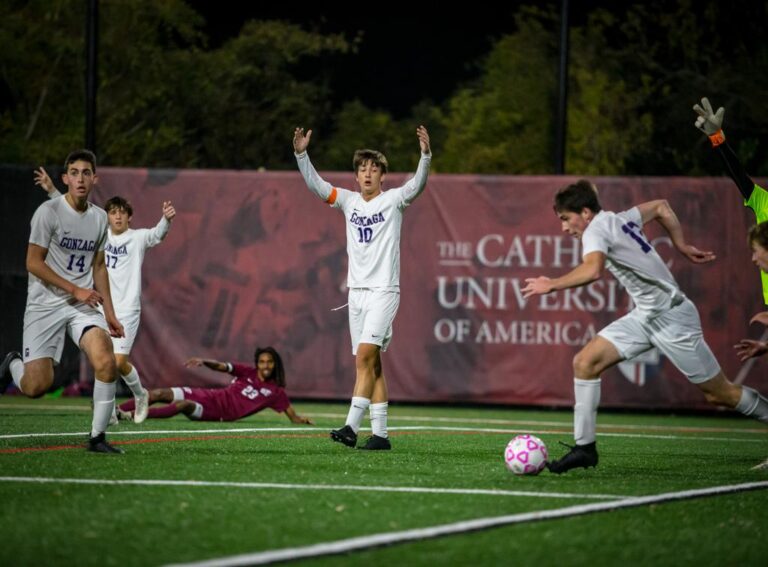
<point x="124" y="256"/>
<point x="373" y="219"/>
<point x="68" y="280"/>
<point x="662" y="317"/>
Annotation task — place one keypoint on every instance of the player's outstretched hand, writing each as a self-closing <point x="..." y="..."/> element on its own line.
<point x="43" y="180"/>
<point x="301" y="140"/>
<point x="761" y="317"/>
<point x="168" y="211"/>
<point x="708" y="121"/>
<point x="697" y="256"/>
<point x="537" y="286"/>
<point x="747" y="348"/>
<point x="423" y="135"/>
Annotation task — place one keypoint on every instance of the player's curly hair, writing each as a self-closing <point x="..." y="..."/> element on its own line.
<point x="278" y="374"/>
<point x="759" y="234"/>
<point x="82" y="155"/>
<point x="577" y="196"/>
<point x="377" y="158"/>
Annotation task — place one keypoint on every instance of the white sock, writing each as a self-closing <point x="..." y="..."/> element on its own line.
<point x="103" y="403"/>
<point x="587" y="394"/>
<point x="379" y="419"/>
<point x="357" y="412"/>
<point x="752" y="404"/>
<point x="133" y="382"/>
<point x="17" y="371"/>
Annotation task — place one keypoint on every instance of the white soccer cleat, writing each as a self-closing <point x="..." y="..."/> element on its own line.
<point x="142" y="406"/>
<point x="762" y="466"/>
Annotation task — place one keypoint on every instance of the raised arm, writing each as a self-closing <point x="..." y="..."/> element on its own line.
<point x="662" y="212"/>
<point x="43" y="180"/>
<point x="158" y="234"/>
<point x="418" y="182"/>
<point x="316" y="184"/>
<point x="212" y="364"/>
<point x="711" y="123"/>
<point x="589" y="270"/>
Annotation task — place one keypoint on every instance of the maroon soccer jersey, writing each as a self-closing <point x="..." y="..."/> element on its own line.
<point x="246" y="395"/>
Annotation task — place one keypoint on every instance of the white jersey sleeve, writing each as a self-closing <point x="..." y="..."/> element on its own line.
<point x="632" y="260"/>
<point x="416" y="184"/>
<point x="316" y="184"/>
<point x="156" y="235"/>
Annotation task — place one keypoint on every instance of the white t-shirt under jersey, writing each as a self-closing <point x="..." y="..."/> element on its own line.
<point x="632" y="260"/>
<point x="373" y="227"/>
<point x="72" y="239"/>
<point x="124" y="258"/>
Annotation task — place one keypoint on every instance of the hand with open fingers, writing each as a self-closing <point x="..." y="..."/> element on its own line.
<point x="423" y="135"/>
<point x="747" y="348"/>
<point x="537" y="286"/>
<point x="168" y="211"/>
<point x="761" y="317"/>
<point x="88" y="296"/>
<point x="43" y="180"/>
<point x="708" y="121"/>
<point x="301" y="140"/>
<point x="697" y="256"/>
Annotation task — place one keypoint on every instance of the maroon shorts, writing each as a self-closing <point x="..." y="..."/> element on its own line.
<point x="211" y="400"/>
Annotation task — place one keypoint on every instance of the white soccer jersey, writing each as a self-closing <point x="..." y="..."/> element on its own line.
<point x="72" y="239"/>
<point x="373" y="227"/>
<point x="632" y="260"/>
<point x="124" y="258"/>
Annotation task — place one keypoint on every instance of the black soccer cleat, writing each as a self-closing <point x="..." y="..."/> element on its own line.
<point x="376" y="443"/>
<point x="99" y="444"/>
<point x="5" y="370"/>
<point x="344" y="435"/>
<point x="579" y="456"/>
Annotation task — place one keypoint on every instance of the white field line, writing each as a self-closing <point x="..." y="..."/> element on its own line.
<point x="378" y="540"/>
<point x="224" y="431"/>
<point x="334" y="487"/>
<point x="405" y="428"/>
<point x="477" y="420"/>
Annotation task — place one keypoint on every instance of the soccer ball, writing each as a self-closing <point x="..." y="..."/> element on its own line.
<point x="526" y="454"/>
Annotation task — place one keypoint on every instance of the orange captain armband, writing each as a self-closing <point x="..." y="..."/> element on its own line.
<point x="332" y="197"/>
<point x="717" y="138"/>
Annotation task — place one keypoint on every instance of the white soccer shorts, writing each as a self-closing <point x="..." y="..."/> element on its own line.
<point x="130" y="323"/>
<point x="44" y="330"/>
<point x="371" y="313"/>
<point x="676" y="333"/>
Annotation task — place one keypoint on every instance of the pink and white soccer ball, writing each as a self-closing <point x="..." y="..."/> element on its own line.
<point x="526" y="454"/>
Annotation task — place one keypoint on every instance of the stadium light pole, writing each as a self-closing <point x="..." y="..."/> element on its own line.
<point x="562" y="98"/>
<point x="91" y="73"/>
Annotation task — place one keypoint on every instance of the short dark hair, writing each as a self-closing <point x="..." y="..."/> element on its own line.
<point x="118" y="202"/>
<point x="84" y="155"/>
<point x="577" y="196"/>
<point x="362" y="156"/>
<point x="278" y="374"/>
<point x="759" y="234"/>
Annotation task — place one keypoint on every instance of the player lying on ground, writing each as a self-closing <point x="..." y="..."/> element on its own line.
<point x="251" y="390"/>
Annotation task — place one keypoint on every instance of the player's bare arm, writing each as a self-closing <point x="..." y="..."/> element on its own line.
<point x="36" y="265"/>
<point x="301" y="140"/>
<point x="296" y="418"/>
<point x="423" y="135"/>
<point x="43" y="180"/>
<point x="761" y="317"/>
<point x="196" y="362"/>
<point x="101" y="283"/>
<point x="589" y="270"/>
<point x="661" y="211"/>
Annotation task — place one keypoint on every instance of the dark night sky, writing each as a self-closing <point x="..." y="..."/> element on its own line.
<point x="406" y="55"/>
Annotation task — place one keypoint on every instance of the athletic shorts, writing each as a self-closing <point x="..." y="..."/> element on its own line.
<point x="130" y="323"/>
<point x="371" y="313"/>
<point x="676" y="333"/>
<point x="44" y="330"/>
<point x="208" y="398"/>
